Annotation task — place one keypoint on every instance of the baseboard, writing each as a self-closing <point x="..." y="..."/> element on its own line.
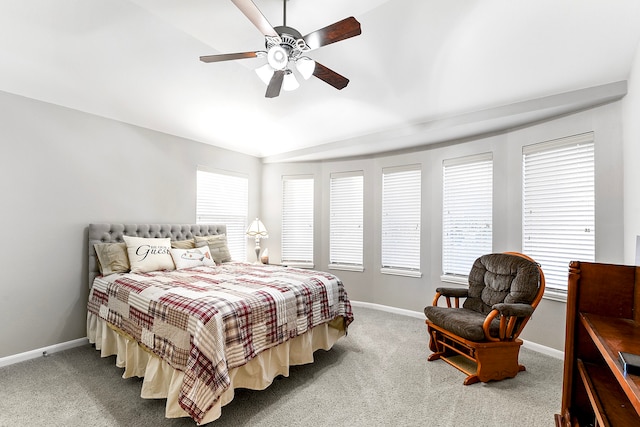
<point x="389" y="309"/>
<point x="39" y="352"/>
<point x="549" y="351"/>
<point x="557" y="354"/>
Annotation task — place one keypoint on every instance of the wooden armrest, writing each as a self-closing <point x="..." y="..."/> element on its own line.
<point x="449" y="293"/>
<point x="509" y="315"/>
<point x="453" y="292"/>
<point x="518" y="310"/>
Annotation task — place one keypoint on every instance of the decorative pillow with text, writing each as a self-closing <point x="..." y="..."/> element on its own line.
<point x="148" y="254"/>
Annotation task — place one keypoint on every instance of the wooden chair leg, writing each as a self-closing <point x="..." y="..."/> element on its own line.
<point x="433" y="341"/>
<point x="436" y="348"/>
<point x="471" y="379"/>
<point x="435" y="355"/>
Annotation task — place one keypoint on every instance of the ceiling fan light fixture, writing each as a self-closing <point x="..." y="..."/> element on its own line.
<point x="277" y="58"/>
<point x="306" y="67"/>
<point x="290" y="82"/>
<point x="265" y="73"/>
<point x="286" y="45"/>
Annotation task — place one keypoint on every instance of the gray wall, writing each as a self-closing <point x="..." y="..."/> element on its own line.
<point x="547" y="326"/>
<point x="60" y="170"/>
<point x="631" y="112"/>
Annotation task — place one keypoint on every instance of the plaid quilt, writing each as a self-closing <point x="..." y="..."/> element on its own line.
<point x="206" y="320"/>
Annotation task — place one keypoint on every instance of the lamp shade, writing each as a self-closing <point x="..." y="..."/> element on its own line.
<point x="257" y="229"/>
<point x="265" y="73"/>
<point x="306" y="67"/>
<point x="290" y="82"/>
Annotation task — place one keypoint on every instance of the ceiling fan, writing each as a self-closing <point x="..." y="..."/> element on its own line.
<point x="286" y="47"/>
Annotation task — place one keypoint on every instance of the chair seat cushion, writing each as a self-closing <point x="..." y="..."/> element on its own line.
<point x="462" y="322"/>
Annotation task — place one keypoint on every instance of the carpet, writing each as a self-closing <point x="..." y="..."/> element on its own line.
<point x="376" y="376"/>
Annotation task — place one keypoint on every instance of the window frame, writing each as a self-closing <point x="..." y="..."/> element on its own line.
<point x="303" y="256"/>
<point x="410" y="241"/>
<point x="346" y="221"/>
<point x="567" y="197"/>
<point x="467" y="201"/>
<point x="230" y="186"/>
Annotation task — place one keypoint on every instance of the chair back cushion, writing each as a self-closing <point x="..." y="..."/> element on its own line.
<point x="496" y="278"/>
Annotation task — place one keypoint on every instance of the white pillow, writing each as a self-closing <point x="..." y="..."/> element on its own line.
<point x="186" y="258"/>
<point x="149" y="254"/>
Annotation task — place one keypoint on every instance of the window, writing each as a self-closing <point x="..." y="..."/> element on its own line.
<point x="466" y="212"/>
<point x="401" y="200"/>
<point x="223" y="198"/>
<point x="297" y="221"/>
<point x="558" y="216"/>
<point x="346" y="211"/>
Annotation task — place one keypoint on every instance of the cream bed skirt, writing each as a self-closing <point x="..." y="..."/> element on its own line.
<point x="162" y="381"/>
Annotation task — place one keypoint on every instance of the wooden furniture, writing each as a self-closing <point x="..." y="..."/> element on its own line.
<point x="603" y="318"/>
<point x="481" y="338"/>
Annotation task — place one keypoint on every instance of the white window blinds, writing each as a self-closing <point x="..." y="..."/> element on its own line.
<point x="223" y="198"/>
<point x="346" y="211"/>
<point x="467" y="217"/>
<point x="559" y="205"/>
<point x="297" y="221"/>
<point x="401" y="201"/>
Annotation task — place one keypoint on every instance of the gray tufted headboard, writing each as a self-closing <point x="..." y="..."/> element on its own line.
<point x="112" y="233"/>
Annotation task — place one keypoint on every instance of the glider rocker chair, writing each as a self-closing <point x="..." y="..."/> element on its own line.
<point x="481" y="337"/>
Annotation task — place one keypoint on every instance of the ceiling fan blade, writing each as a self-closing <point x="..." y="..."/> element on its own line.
<point x="256" y="17"/>
<point x="275" y="84"/>
<point x="341" y="30"/>
<point x="329" y="76"/>
<point x="228" y="56"/>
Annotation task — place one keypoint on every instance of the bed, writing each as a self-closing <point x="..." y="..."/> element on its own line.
<point x="203" y="326"/>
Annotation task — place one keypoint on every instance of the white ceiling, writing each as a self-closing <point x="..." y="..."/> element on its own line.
<point x="416" y="64"/>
